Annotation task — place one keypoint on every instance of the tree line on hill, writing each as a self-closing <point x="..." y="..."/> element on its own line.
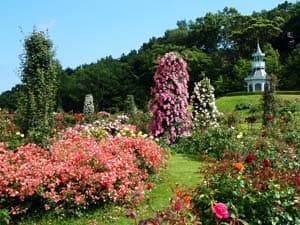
<point x="217" y="45"/>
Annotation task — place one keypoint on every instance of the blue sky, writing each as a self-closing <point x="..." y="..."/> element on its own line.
<point x="84" y="31"/>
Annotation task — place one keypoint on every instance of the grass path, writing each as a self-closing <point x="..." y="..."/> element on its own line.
<point x="182" y="170"/>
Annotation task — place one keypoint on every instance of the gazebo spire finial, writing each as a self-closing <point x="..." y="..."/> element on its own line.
<point x="258" y="47"/>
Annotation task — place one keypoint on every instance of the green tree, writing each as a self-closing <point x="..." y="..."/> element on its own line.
<point x="248" y="29"/>
<point x="273" y="65"/>
<point x="179" y="35"/>
<point x="211" y="32"/>
<point x="37" y="98"/>
<point x="9" y="99"/>
<point x="199" y="63"/>
<point x="108" y="80"/>
<point x="241" y="69"/>
<point x="290" y="78"/>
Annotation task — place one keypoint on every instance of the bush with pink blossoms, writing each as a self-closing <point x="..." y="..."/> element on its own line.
<point x="77" y="172"/>
<point x="169" y="103"/>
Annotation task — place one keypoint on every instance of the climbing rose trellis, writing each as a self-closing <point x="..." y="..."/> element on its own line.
<point x="169" y="103"/>
<point x="205" y="112"/>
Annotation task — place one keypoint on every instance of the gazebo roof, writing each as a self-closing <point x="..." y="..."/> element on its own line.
<point x="257" y="75"/>
<point x="258" y="51"/>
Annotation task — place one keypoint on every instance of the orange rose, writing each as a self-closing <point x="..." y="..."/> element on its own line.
<point x="179" y="193"/>
<point x="239" y="166"/>
<point x="187" y="199"/>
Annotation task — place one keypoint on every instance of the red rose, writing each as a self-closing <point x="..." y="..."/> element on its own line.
<point x="250" y="158"/>
<point x="149" y="186"/>
<point x="267" y="163"/>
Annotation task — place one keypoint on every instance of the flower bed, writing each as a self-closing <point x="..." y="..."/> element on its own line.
<point x="257" y="178"/>
<point x="77" y="172"/>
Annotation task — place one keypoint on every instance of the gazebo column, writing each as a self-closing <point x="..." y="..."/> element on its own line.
<point x="253" y="87"/>
<point x="263" y="86"/>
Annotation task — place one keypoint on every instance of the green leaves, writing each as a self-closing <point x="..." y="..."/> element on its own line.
<point x="37" y="97"/>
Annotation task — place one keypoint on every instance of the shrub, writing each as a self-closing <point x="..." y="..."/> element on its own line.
<point x="130" y="106"/>
<point x="256" y="194"/>
<point x="7" y="126"/>
<point x="242" y="106"/>
<point x="37" y="95"/>
<point x="213" y="142"/>
<point x="254" y="108"/>
<point x="232" y="119"/>
<point x="79" y="172"/>
<point x="169" y="103"/>
<point x="141" y="120"/>
<point x="205" y="112"/>
<point x="180" y="211"/>
<point x="4" y="217"/>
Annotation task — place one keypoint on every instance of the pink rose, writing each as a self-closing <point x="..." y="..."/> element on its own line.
<point x="178" y="206"/>
<point x="220" y="210"/>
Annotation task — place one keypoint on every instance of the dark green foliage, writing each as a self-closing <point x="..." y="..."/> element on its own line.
<point x="37" y="98"/>
<point x="108" y="80"/>
<point x="291" y="72"/>
<point x="141" y="120"/>
<point x="213" y="142"/>
<point x="4" y="217"/>
<point x="9" y="99"/>
<point x="248" y="29"/>
<point x="130" y="107"/>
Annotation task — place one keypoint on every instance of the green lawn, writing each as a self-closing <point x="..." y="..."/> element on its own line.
<point x="182" y="169"/>
<point x="227" y="104"/>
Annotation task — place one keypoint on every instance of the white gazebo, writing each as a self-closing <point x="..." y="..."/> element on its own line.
<point x="257" y="80"/>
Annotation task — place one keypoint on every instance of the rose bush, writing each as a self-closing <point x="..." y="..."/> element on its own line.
<point x="255" y="173"/>
<point x="77" y="172"/>
<point x="179" y="211"/>
<point x="169" y="102"/>
<point x="256" y="193"/>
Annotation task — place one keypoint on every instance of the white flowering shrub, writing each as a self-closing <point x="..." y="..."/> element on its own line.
<point x="205" y="112"/>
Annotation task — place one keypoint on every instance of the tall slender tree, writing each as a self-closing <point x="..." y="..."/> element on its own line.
<point x="37" y="100"/>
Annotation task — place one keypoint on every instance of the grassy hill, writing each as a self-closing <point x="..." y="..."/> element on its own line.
<point x="227" y="104"/>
